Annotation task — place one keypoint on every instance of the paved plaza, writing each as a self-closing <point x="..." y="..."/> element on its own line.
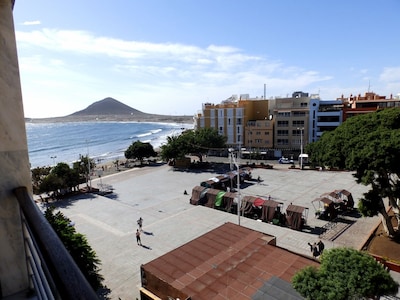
<point x="156" y="193"/>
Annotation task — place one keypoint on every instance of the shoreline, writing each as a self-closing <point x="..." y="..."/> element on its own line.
<point x="116" y="118"/>
<point x="46" y="148"/>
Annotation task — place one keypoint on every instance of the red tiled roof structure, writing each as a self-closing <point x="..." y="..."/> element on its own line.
<point x="229" y="262"/>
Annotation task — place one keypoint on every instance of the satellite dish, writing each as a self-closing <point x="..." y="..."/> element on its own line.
<point x="271" y="116"/>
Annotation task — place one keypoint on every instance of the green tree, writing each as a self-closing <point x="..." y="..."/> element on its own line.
<point x="368" y="144"/>
<point x="344" y="273"/>
<point x="139" y="150"/>
<point x="196" y="142"/>
<point x="82" y="167"/>
<point x="78" y="246"/>
<point x="38" y="175"/>
<point x="61" y="177"/>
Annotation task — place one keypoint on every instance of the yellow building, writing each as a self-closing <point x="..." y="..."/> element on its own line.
<point x="237" y="119"/>
<point x="256" y="125"/>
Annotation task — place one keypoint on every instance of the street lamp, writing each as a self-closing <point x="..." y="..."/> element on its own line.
<point x="301" y="147"/>
<point x="238" y="182"/>
<point x="53" y="158"/>
<point x="88" y="159"/>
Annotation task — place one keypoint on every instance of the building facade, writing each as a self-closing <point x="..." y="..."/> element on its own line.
<point x="231" y="118"/>
<point x="284" y="126"/>
<point x="354" y="105"/>
<point x="325" y="115"/>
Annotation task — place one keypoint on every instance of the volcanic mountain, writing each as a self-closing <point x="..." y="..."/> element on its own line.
<point x="108" y="106"/>
<point x="110" y="109"/>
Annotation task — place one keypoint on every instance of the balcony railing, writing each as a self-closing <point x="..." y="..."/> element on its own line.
<point x="53" y="272"/>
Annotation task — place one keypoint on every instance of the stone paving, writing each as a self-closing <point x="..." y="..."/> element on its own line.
<point x="157" y="195"/>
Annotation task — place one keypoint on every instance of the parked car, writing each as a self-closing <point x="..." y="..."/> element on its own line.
<point x="285" y="160"/>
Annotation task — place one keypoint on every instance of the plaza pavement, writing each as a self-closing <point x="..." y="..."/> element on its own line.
<point x="156" y="193"/>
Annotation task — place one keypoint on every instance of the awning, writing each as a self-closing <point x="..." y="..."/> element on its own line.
<point x="219" y="198"/>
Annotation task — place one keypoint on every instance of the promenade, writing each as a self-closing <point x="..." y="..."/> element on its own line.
<point x="156" y="193"/>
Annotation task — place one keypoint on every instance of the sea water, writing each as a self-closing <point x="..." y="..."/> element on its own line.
<point x="51" y="143"/>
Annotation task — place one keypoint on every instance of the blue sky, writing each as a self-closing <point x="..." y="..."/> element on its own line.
<point x="170" y="56"/>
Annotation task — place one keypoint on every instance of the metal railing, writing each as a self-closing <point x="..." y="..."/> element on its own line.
<point x="54" y="273"/>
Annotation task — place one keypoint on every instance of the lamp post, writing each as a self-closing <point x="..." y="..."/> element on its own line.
<point x="238" y="183"/>
<point x="301" y="147"/>
<point x="88" y="159"/>
<point x="54" y="159"/>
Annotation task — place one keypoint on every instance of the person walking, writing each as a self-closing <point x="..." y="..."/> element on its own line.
<point x="321" y="247"/>
<point x="314" y="249"/>
<point x="140" y="223"/>
<point x="139" y="242"/>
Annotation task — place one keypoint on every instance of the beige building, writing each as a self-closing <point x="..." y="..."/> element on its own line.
<point x="237" y="119"/>
<point x="259" y="125"/>
<point x="291" y="117"/>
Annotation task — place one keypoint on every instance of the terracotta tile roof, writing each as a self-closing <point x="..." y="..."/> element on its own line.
<point x="229" y="262"/>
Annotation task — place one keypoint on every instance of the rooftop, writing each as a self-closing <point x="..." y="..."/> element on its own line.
<point x="228" y="262"/>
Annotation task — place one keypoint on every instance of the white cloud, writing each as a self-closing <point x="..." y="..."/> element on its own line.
<point x="30" y="23"/>
<point x="79" y="68"/>
<point x="390" y="75"/>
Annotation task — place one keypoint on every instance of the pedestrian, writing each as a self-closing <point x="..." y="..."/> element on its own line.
<point x="140" y="223"/>
<point x="314" y="249"/>
<point x="139" y="242"/>
<point x="311" y="247"/>
<point x="321" y="247"/>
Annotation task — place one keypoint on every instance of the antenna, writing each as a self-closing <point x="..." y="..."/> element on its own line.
<point x="369" y="85"/>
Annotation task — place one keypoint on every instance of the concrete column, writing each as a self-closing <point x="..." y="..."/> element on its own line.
<point x="14" y="159"/>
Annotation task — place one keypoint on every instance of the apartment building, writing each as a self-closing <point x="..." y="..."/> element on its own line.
<point x="291" y="116"/>
<point x="237" y="116"/>
<point x="325" y="115"/>
<point x="354" y="105"/>
<point x="262" y="125"/>
<point x="284" y="125"/>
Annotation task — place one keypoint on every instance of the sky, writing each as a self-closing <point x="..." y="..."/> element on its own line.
<point x="171" y="56"/>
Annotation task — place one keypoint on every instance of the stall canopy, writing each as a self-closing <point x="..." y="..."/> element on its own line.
<point x="324" y="208"/>
<point x="219" y="199"/>
<point x="296" y="216"/>
<point x="268" y="207"/>
<point x="229" y="199"/>
<point x="198" y="193"/>
<point x="346" y="197"/>
<point x="211" y="197"/>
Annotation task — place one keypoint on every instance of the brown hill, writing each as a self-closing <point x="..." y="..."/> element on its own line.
<point x="110" y="109"/>
<point x="108" y="106"/>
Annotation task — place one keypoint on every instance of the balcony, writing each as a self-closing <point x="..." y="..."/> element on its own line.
<point x="52" y="272"/>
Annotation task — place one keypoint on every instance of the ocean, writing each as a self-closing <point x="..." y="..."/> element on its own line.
<point x="51" y="143"/>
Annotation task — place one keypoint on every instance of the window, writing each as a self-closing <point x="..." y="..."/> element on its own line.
<point x="239" y="121"/>
<point x="284" y="114"/>
<point x="298" y="123"/>
<point x="296" y="132"/>
<point x="283" y="123"/>
<point x="282" y="142"/>
<point x="299" y="113"/>
<point x="283" y="132"/>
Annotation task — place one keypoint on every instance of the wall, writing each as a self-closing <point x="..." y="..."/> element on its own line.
<point x="14" y="161"/>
